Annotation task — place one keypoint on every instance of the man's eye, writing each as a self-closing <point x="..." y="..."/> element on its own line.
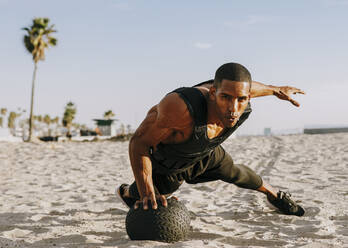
<point x="241" y="99"/>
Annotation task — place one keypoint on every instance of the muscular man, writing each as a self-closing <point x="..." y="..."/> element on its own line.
<point x="179" y="140"/>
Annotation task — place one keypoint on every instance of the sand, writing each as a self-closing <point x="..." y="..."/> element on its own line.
<point x="62" y="195"/>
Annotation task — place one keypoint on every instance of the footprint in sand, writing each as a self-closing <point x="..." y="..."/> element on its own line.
<point x="16" y="234"/>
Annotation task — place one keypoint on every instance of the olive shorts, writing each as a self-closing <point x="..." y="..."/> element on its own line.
<point x="217" y="166"/>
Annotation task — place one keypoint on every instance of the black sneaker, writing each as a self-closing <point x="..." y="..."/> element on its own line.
<point x="129" y="202"/>
<point x="285" y="205"/>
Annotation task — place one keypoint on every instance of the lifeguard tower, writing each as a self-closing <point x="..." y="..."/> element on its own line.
<point x="106" y="127"/>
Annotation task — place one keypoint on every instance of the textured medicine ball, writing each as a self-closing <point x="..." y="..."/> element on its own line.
<point x="168" y="224"/>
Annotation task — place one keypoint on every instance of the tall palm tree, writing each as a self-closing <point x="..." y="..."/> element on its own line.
<point x="37" y="39"/>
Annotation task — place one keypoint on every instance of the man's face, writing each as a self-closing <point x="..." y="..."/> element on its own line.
<point x="231" y="99"/>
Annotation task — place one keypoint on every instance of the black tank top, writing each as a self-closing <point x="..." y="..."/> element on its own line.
<point x="175" y="158"/>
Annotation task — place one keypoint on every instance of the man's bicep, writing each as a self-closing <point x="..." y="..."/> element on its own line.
<point x="170" y="115"/>
<point x="152" y="130"/>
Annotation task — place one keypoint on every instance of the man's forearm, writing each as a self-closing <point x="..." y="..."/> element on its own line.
<point x="142" y="169"/>
<point x="259" y="89"/>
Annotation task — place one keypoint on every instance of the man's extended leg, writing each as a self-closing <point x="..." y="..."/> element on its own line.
<point x="221" y="167"/>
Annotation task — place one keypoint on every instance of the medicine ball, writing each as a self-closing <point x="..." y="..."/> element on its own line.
<point x="167" y="224"/>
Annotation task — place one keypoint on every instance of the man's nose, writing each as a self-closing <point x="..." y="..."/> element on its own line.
<point x="233" y="106"/>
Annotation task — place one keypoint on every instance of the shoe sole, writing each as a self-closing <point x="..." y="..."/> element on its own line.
<point x="118" y="195"/>
<point x="301" y="211"/>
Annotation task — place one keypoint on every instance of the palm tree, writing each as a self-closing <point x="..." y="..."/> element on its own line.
<point x="69" y="115"/>
<point x="55" y="120"/>
<point x="47" y="121"/>
<point x="108" y="114"/>
<point x="37" y="39"/>
<point x="12" y="119"/>
<point x="3" y="112"/>
<point x="39" y="118"/>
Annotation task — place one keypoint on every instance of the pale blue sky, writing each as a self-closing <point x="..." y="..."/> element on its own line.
<point x="125" y="55"/>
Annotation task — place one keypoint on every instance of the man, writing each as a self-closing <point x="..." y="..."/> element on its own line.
<point x="179" y="140"/>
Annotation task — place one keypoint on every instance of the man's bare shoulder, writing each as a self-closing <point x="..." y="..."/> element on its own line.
<point x="204" y="89"/>
<point x="172" y="112"/>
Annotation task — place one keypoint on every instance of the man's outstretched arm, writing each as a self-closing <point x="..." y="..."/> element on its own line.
<point x="282" y="92"/>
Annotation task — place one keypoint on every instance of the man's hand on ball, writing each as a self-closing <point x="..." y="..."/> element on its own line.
<point x="153" y="199"/>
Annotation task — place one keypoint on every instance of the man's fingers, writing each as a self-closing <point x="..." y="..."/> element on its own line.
<point x="291" y="90"/>
<point x="154" y="202"/>
<point x="163" y="200"/>
<point x="136" y="205"/>
<point x="145" y="202"/>
<point x="295" y="91"/>
<point x="294" y="102"/>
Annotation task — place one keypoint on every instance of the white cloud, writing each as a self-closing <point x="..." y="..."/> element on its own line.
<point x="203" y="45"/>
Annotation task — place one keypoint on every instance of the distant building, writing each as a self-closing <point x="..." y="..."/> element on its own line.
<point x="106" y="127"/>
<point x="267" y="131"/>
<point x="325" y="130"/>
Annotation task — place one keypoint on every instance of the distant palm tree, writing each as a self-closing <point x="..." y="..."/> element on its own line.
<point x="55" y="120"/>
<point x="39" y="118"/>
<point x="3" y="112"/>
<point x="37" y="39"/>
<point x="69" y="115"/>
<point x="12" y="119"/>
<point x="108" y="114"/>
<point x="47" y="121"/>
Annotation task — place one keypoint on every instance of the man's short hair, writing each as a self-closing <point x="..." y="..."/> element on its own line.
<point x="233" y="72"/>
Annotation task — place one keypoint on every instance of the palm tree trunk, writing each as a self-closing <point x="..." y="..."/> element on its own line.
<point x="32" y="103"/>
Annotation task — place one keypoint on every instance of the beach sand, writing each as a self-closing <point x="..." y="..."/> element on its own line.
<point x="62" y="195"/>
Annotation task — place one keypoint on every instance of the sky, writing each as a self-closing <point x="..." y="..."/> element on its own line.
<point x="126" y="55"/>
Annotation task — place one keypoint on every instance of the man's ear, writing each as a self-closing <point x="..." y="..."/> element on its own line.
<point x="212" y="92"/>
